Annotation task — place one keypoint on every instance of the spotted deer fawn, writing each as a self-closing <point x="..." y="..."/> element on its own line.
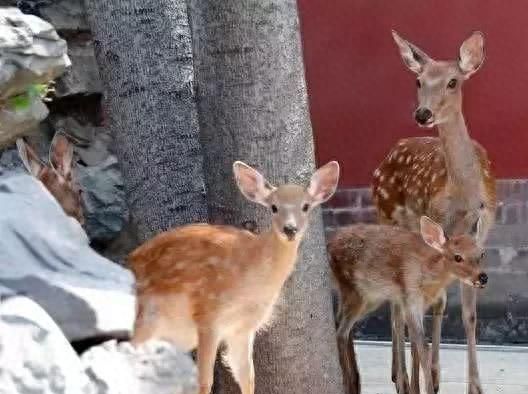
<point x="374" y="264"/>
<point x="200" y="285"/>
<point x="57" y="174"/>
<point x="447" y="178"/>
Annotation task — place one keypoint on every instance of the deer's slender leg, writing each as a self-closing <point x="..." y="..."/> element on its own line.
<point x="208" y="341"/>
<point x="469" y="317"/>
<point x="395" y="358"/>
<point x="351" y="311"/>
<point x="416" y="333"/>
<point x="438" y="313"/>
<point x="415" y="369"/>
<point x="239" y="357"/>
<point x="398" y="350"/>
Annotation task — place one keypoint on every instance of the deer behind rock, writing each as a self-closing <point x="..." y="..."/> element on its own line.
<point x="56" y="175"/>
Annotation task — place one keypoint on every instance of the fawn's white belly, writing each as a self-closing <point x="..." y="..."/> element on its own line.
<point x="175" y="322"/>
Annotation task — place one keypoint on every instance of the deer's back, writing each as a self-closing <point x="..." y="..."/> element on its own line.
<point x="413" y="175"/>
<point x="376" y="261"/>
<point x="188" y="257"/>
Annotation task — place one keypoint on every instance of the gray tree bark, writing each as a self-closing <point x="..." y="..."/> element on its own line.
<point x="253" y="107"/>
<point x="144" y="51"/>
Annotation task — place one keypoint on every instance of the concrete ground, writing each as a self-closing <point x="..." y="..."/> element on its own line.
<point x="503" y="369"/>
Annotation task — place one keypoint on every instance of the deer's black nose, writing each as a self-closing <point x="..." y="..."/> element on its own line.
<point x="290" y="230"/>
<point x="422" y="115"/>
<point x="483" y="278"/>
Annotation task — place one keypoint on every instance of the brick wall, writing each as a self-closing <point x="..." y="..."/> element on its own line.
<point x="503" y="305"/>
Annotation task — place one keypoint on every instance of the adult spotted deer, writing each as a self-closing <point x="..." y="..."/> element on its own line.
<point x="57" y="175"/>
<point x="447" y="178"/>
<point x="200" y="285"/>
<point x="373" y="264"/>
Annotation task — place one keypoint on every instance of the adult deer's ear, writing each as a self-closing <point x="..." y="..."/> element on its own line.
<point x="432" y="233"/>
<point x="413" y="57"/>
<point x="471" y="54"/>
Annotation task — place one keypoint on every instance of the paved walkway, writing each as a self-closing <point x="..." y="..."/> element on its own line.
<point x="503" y="369"/>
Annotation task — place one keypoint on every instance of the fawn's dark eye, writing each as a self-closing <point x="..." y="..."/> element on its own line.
<point x="452" y="83"/>
<point x="274" y="208"/>
<point x="458" y="258"/>
<point x="305" y="207"/>
<point x="482" y="255"/>
<point x="418" y="83"/>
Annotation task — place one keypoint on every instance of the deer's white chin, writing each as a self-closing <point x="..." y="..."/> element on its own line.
<point x="476" y="284"/>
<point x="428" y="125"/>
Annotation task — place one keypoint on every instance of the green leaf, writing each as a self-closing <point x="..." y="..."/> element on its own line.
<point x="38" y="90"/>
<point x="23" y="100"/>
<point x="20" y="102"/>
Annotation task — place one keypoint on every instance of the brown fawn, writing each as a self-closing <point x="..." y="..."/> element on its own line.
<point x="200" y="285"/>
<point x="374" y="264"/>
<point x="57" y="175"/>
<point x="448" y="179"/>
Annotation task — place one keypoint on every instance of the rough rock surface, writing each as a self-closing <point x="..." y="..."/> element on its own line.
<point x="45" y="255"/>
<point x="35" y="357"/>
<point x="155" y="367"/>
<point x="104" y="199"/>
<point x="30" y="52"/>
<point x="83" y="76"/>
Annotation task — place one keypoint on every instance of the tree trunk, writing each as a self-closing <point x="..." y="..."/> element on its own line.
<point x="253" y="107"/>
<point x="144" y="51"/>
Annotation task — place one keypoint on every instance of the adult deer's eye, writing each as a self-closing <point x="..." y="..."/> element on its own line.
<point x="274" y="208"/>
<point x="418" y="83"/>
<point x="305" y="207"/>
<point x="458" y="258"/>
<point x="452" y="84"/>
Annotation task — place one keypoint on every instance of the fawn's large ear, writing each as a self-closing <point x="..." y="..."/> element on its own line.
<point x="432" y="233"/>
<point x="28" y="156"/>
<point x="324" y="182"/>
<point x="471" y="54"/>
<point x="251" y="183"/>
<point x="61" y="154"/>
<point x="413" y="57"/>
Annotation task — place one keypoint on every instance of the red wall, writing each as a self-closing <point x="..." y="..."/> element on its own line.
<point x="362" y="97"/>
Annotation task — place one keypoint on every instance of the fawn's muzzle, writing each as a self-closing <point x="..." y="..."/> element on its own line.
<point x="483" y="278"/>
<point x="423" y="115"/>
<point x="290" y="231"/>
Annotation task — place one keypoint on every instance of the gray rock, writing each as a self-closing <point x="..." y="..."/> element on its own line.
<point x="45" y="255"/>
<point x="65" y="14"/>
<point x="104" y="199"/>
<point x="83" y="77"/>
<point x="155" y="367"/>
<point x="17" y="123"/>
<point x="35" y="357"/>
<point x="30" y="52"/>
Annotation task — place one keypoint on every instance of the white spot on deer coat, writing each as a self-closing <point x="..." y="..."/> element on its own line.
<point x="384" y="194"/>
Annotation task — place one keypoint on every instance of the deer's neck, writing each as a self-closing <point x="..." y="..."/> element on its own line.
<point x="436" y="277"/>
<point x="463" y="169"/>
<point x="281" y="255"/>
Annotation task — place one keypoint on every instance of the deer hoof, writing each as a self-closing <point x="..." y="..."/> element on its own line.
<point x="475" y="388"/>
<point x="436" y="379"/>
